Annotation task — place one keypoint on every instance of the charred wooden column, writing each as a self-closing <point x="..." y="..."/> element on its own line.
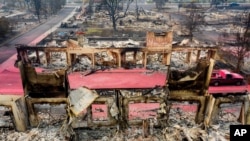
<point x="134" y="56"/>
<point x="47" y="56"/>
<point x="33" y="119"/>
<point x="145" y="59"/>
<point x="248" y="115"/>
<point x="23" y="77"/>
<point x="68" y="58"/>
<point x="92" y="59"/>
<point x="145" y="127"/>
<point x="72" y="59"/>
<point x="188" y="57"/>
<point x="37" y="57"/>
<point x="24" y="56"/>
<point x="18" y="109"/>
<point x="19" y="57"/>
<point x="123" y="58"/>
<point x="208" y="76"/>
<point x="211" y="54"/>
<point x="167" y="57"/>
<point x="198" y="55"/>
<point x="209" y="110"/>
<point x="119" y="59"/>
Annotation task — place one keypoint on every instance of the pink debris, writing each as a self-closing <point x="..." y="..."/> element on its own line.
<point x="228" y="89"/>
<point x="143" y="110"/>
<point x="99" y="112"/>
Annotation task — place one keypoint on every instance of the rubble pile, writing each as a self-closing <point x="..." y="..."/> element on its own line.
<point x="5" y="117"/>
<point x="82" y="64"/>
<point x="129" y="43"/>
<point x="148" y="20"/>
<point x="181" y="127"/>
<point x="58" y="61"/>
<point x="178" y="60"/>
<point x="35" y="134"/>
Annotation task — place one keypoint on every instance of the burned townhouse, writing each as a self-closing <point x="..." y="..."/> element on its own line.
<point x="116" y="83"/>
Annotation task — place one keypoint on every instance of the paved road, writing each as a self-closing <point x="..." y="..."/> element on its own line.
<point x="8" y="49"/>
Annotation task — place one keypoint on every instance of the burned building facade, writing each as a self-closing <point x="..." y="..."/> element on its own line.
<point x="115" y="84"/>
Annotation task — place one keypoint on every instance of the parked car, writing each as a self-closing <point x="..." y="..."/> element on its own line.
<point x="225" y="77"/>
<point x="234" y="4"/>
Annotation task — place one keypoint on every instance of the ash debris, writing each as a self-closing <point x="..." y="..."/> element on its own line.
<point x="181" y="127"/>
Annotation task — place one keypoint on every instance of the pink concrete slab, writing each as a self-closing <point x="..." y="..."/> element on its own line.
<point x="99" y="112"/>
<point x="185" y="107"/>
<point x="143" y="110"/>
<point x="118" y="79"/>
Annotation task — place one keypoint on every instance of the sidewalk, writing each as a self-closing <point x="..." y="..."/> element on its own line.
<point x="9" y="65"/>
<point x="10" y="78"/>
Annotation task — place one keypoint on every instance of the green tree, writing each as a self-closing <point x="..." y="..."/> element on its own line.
<point x="4" y="26"/>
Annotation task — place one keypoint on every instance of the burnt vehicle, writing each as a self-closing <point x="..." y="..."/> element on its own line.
<point x="225" y="77"/>
<point x="224" y="82"/>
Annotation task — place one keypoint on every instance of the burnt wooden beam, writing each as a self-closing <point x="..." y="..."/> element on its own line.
<point x="18" y="109"/>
